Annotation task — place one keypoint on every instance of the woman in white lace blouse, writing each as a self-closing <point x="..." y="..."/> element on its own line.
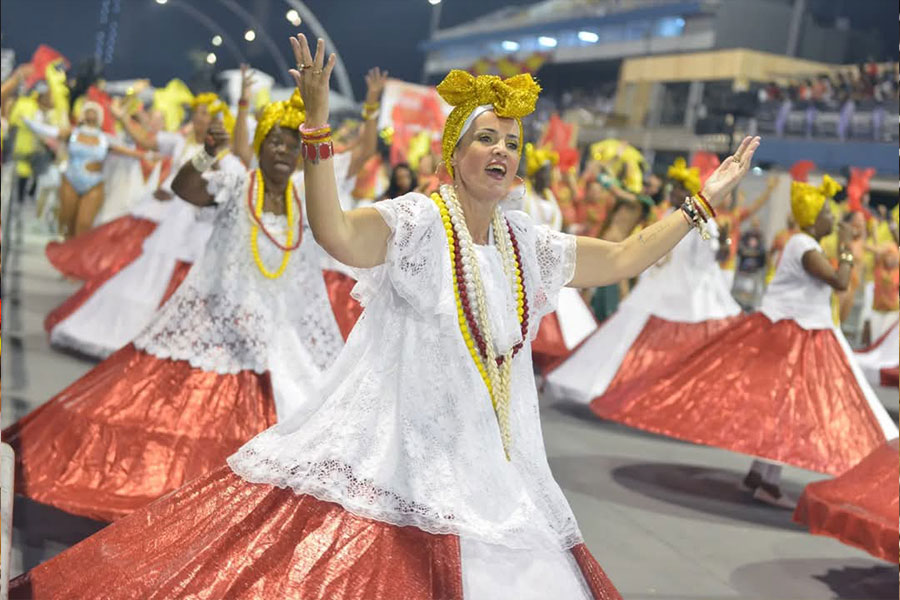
<point x="249" y="331"/>
<point x="420" y="471"/>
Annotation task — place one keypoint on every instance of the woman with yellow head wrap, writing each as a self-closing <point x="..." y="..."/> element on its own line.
<point x="236" y="345"/>
<point x="414" y="447"/>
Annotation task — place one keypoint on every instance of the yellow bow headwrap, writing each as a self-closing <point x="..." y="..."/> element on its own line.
<point x="625" y="160"/>
<point x="687" y="177"/>
<point x="511" y="98"/>
<point x="807" y="200"/>
<point x="290" y="114"/>
<point x="171" y="100"/>
<point x="537" y="158"/>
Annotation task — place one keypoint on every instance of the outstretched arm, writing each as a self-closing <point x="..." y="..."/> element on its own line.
<point x="359" y="237"/>
<point x="599" y="262"/>
<point x="141" y="136"/>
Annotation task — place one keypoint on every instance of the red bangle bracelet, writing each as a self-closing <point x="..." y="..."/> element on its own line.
<point x="707" y="204"/>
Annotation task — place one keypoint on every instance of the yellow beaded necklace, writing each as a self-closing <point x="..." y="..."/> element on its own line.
<point x="254" y="231"/>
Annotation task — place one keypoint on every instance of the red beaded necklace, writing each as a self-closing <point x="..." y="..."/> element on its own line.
<point x="477" y="335"/>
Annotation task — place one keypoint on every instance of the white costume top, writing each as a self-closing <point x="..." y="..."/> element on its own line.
<point x="795" y="294"/>
<point x="405" y="432"/>
<point x="227" y="317"/>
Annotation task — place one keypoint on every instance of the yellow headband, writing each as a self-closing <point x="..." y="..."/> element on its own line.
<point x="511" y="98"/>
<point x="687" y="177"/>
<point x="535" y="159"/>
<point x="807" y="200"/>
<point x="290" y="114"/>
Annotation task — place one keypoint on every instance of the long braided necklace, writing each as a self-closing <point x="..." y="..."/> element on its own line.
<point x="290" y="197"/>
<point x="468" y="289"/>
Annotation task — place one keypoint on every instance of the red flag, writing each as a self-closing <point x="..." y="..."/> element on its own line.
<point x="42" y="57"/>
<point x="800" y="170"/>
<point x="707" y="162"/>
<point x="857" y="188"/>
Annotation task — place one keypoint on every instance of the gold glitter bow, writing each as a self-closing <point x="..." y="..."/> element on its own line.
<point x="807" y="200"/>
<point x="290" y="114"/>
<point x="511" y="98"/>
<point x="687" y="177"/>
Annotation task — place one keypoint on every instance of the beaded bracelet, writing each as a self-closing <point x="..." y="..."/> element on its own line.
<point x="202" y="161"/>
<point x="706" y="204"/>
<point x="370" y="111"/>
<point x="692" y="213"/>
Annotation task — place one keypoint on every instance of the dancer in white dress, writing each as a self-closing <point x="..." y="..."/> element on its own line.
<point x="243" y="339"/>
<point x="676" y="306"/>
<point x="421" y="471"/>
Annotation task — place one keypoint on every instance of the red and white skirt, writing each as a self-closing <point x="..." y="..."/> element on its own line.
<point x="221" y="537"/>
<point x="103" y="251"/>
<point x="771" y="390"/>
<point x="133" y="429"/>
<point x="562" y="330"/>
<point x="860" y="507"/>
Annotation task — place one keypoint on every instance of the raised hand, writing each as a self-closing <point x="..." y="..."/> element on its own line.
<point x="247" y="82"/>
<point x="376" y="79"/>
<point x="731" y="171"/>
<point x="312" y="76"/>
<point x="216" y="137"/>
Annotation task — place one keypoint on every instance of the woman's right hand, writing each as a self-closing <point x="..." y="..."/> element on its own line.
<point x="217" y="137"/>
<point x="312" y="76"/>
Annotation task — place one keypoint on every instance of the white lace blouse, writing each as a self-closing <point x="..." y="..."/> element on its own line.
<point x="404" y="431"/>
<point x="227" y="317"/>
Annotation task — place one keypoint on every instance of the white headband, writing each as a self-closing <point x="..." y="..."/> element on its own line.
<point x="479" y="110"/>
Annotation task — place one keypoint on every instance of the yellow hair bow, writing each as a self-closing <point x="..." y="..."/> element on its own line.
<point x="688" y="177"/>
<point x="511" y="98"/>
<point x="537" y="158"/>
<point x="290" y="114"/>
<point x="171" y="100"/>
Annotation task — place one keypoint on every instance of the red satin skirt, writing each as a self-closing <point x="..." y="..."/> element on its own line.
<point x="132" y="429"/>
<point x="860" y="507"/>
<point x="661" y="344"/>
<point x="771" y="390"/>
<point x="346" y="309"/>
<point x="220" y="537"/>
<point x="76" y="300"/>
<point x="102" y="251"/>
<point x="549" y="348"/>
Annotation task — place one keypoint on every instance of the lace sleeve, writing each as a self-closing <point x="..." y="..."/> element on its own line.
<point x="417" y="262"/>
<point x="223" y="186"/>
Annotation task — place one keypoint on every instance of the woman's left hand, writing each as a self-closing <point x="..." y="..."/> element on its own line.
<point x="731" y="171"/>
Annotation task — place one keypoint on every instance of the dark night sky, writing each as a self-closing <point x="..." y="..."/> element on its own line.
<point x="157" y="41"/>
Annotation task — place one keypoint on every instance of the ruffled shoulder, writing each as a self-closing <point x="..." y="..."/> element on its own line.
<point x="548" y="259"/>
<point x="417" y="262"/>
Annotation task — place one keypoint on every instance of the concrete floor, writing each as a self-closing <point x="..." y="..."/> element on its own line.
<point x="664" y="518"/>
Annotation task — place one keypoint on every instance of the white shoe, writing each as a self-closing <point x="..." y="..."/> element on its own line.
<point x="781" y="501"/>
